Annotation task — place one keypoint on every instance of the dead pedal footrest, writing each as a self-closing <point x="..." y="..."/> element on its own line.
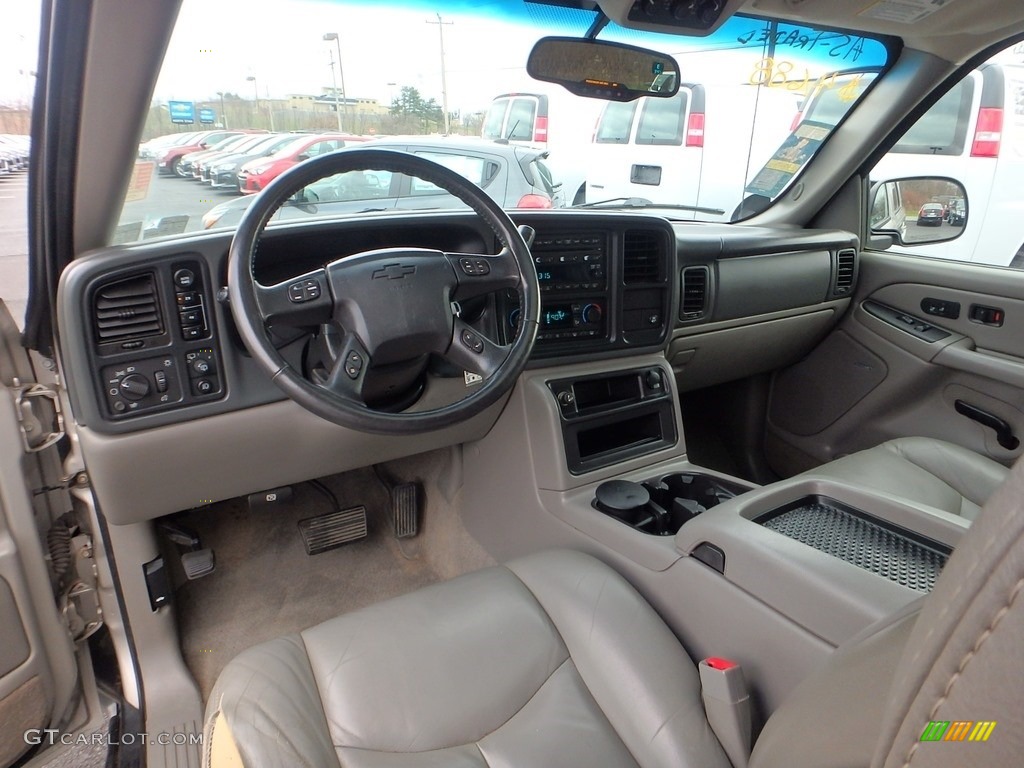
<point x="325" y="532"/>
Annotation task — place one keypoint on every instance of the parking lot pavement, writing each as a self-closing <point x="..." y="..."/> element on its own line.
<point x="14" y="244"/>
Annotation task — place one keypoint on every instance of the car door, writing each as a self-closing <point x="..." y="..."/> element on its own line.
<point x="37" y="661"/>
<point x="933" y="344"/>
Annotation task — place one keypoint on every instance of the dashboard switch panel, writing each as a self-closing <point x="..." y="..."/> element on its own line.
<point x="141" y="385"/>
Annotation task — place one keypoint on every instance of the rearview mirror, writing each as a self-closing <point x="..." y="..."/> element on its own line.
<point x="603" y="70"/>
<point x="919" y="210"/>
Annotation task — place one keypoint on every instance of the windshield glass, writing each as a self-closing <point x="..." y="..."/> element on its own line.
<point x="756" y="101"/>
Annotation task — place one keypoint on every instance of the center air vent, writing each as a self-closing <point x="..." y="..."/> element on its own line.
<point x="845" y="263"/>
<point x="694" y="303"/>
<point x="126" y="309"/>
<point x="643" y="257"/>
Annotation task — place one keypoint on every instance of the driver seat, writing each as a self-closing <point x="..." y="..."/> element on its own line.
<point x="553" y="659"/>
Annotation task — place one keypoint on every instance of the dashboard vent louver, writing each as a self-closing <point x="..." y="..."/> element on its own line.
<point x="127" y="308"/>
<point x="643" y="257"/>
<point x="845" y="263"/>
<point x="695" y="293"/>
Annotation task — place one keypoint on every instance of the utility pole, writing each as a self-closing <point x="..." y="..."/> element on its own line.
<point x="337" y="100"/>
<point x="444" y="80"/>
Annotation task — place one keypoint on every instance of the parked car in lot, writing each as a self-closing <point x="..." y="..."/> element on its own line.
<point x="168" y="159"/>
<point x="513" y="176"/>
<point x="256" y="174"/>
<point x="682" y="151"/>
<point x="609" y="485"/>
<point x="931" y="215"/>
<point x="222" y="172"/>
<point x="152" y="149"/>
<point x="187" y="164"/>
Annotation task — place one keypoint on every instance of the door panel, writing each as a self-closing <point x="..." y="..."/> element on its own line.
<point x="37" y="664"/>
<point x="900" y="370"/>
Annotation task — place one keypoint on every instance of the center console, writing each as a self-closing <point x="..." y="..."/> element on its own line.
<point x="600" y="290"/>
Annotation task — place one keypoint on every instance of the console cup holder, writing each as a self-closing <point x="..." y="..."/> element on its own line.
<point x="661" y="506"/>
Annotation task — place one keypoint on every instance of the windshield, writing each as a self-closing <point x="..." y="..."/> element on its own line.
<point x="756" y="101"/>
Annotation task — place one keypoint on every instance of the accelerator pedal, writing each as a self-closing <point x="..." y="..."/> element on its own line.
<point x="325" y="532"/>
<point x="405" y="509"/>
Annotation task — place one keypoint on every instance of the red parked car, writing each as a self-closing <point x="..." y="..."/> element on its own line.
<point x="256" y="174"/>
<point x="168" y="161"/>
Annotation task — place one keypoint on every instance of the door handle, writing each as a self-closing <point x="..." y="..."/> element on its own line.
<point x="1004" y="432"/>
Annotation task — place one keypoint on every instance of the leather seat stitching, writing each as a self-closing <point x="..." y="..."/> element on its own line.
<point x="985" y="635"/>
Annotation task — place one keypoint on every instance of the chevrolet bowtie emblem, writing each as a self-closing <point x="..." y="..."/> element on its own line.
<point x="394" y="271"/>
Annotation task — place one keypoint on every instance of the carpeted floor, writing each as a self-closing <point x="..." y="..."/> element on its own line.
<point x="266" y="586"/>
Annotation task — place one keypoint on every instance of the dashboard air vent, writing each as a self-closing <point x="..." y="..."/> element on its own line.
<point x="695" y="293"/>
<point x="845" y="262"/>
<point x="643" y="260"/>
<point x="126" y="309"/>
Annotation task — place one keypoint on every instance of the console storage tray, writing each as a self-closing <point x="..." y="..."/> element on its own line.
<point x="893" y="552"/>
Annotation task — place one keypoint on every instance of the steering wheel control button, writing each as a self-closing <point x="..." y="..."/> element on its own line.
<point x="184" y="279"/>
<point x="475" y="266"/>
<point x="353" y="365"/>
<point x="134" y="386"/>
<point x="471" y="341"/>
<point x="304" y="290"/>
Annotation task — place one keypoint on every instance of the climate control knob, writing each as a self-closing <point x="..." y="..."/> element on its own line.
<point x="591" y="313"/>
<point x="134" y="386"/>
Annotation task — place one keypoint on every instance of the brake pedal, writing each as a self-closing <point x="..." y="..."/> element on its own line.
<point x="405" y="510"/>
<point x="325" y="532"/>
<point x="198" y="563"/>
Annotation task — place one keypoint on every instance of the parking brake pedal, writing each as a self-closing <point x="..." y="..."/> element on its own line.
<point x="325" y="532"/>
<point x="405" y="509"/>
<point x="197" y="561"/>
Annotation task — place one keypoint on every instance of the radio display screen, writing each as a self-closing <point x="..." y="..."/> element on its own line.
<point x="555" y="274"/>
<point x="556" y="317"/>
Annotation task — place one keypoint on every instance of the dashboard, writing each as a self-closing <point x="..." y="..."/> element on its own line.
<point x="150" y="351"/>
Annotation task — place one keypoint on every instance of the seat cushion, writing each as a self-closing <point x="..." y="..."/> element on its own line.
<point x="922" y="470"/>
<point x="550" y="660"/>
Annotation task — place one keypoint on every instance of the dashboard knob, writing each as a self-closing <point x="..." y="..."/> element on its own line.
<point x="513" y="318"/>
<point x="591" y="313"/>
<point x="134" y="386"/>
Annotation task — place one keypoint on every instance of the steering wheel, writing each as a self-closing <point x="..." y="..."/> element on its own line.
<point x="385" y="307"/>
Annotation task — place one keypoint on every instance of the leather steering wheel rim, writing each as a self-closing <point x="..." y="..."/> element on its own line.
<point x="252" y="303"/>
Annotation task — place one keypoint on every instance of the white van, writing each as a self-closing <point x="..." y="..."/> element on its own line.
<point x="974" y="134"/>
<point x="697" y="149"/>
<point x="554" y="120"/>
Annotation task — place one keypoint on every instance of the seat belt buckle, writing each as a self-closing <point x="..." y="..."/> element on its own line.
<point x="727" y="705"/>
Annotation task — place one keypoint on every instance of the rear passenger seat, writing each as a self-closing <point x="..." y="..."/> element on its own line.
<point x="923" y="470"/>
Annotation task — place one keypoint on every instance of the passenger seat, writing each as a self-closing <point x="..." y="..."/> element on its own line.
<point x="923" y="470"/>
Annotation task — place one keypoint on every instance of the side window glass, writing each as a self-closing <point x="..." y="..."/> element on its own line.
<point x="519" y="126"/>
<point x="974" y="136"/>
<point x="661" y="121"/>
<point x="615" y="123"/>
<point x="476" y="169"/>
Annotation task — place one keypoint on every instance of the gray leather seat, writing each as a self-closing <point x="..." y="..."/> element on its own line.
<point x="555" y="660"/>
<point x="923" y="470"/>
